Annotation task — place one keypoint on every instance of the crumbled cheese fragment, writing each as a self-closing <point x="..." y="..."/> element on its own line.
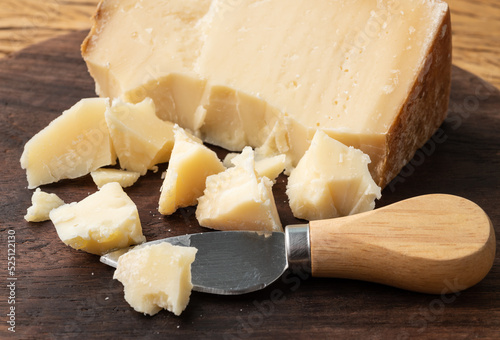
<point x="103" y="221"/>
<point x="157" y="276"/>
<point x="42" y="204"/>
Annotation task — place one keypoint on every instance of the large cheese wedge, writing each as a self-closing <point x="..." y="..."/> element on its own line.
<point x="42" y="204"/>
<point x="331" y="180"/>
<point x="238" y="199"/>
<point x="72" y="145"/>
<point x="373" y="74"/>
<point x="105" y="220"/>
<point x="190" y="164"/>
<point x="140" y="138"/>
<point x="157" y="276"/>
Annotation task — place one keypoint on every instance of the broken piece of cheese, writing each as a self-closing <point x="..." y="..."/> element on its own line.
<point x="373" y="74"/>
<point x="103" y="221"/>
<point x="42" y="204"/>
<point x="105" y="176"/>
<point x="157" y="276"/>
<point x="72" y="145"/>
<point x="190" y="164"/>
<point x="271" y="167"/>
<point x="238" y="199"/>
<point x="331" y="180"/>
<point x="140" y="138"/>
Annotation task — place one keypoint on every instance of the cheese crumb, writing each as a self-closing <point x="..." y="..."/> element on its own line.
<point x="42" y="204"/>
<point x="105" y="176"/>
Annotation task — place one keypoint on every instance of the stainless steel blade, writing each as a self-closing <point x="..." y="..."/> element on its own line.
<point x="229" y="262"/>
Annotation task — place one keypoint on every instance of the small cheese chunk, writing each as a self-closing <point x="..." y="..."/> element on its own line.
<point x="190" y="164"/>
<point x="72" y="145"/>
<point x="105" y="176"/>
<point x="140" y="138"/>
<point x="237" y="199"/>
<point x="105" y="220"/>
<point x="271" y="167"/>
<point x="42" y="205"/>
<point x="157" y="276"/>
<point x="331" y="180"/>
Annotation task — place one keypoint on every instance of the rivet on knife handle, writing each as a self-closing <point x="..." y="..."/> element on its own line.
<point x="432" y="244"/>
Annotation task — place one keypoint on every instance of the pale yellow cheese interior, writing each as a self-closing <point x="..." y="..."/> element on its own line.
<point x="140" y="138"/>
<point x="190" y="164"/>
<point x="72" y="145"/>
<point x="232" y="71"/>
<point x="238" y="199"/>
<point x="271" y="167"/>
<point x="104" y="221"/>
<point x="42" y="204"/>
<point x="105" y="176"/>
<point x="157" y="276"/>
<point x="331" y="180"/>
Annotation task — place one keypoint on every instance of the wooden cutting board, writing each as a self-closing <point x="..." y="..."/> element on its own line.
<point x="60" y="292"/>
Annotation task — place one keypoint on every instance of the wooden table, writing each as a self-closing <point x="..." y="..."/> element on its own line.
<point x="476" y="29"/>
<point x="63" y="293"/>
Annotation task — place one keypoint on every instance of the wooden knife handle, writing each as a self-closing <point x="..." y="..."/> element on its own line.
<point x="432" y="244"/>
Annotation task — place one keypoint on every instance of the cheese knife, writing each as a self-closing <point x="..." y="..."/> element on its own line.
<point x="431" y="244"/>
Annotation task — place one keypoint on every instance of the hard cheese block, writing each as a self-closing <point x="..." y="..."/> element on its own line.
<point x="190" y="164"/>
<point x="105" y="220"/>
<point x="238" y="199"/>
<point x="372" y="74"/>
<point x="331" y="180"/>
<point x="157" y="276"/>
<point x="72" y="145"/>
<point x="42" y="204"/>
<point x="140" y="138"/>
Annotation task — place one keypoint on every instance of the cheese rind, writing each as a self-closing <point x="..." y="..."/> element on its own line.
<point x="42" y="204"/>
<point x="238" y="199"/>
<point x="103" y="221"/>
<point x="157" y="276"/>
<point x="124" y="178"/>
<point x="72" y="145"/>
<point x="372" y="74"/>
<point x="140" y="138"/>
<point x="331" y="180"/>
<point x="190" y="164"/>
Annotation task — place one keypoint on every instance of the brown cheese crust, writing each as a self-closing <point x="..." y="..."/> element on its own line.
<point x="424" y="110"/>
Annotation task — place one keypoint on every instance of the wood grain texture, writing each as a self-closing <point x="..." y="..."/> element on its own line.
<point x="62" y="293"/>
<point x="424" y="244"/>
<point x="476" y="29"/>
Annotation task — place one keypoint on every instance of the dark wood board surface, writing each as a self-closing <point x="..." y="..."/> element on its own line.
<point x="63" y="293"/>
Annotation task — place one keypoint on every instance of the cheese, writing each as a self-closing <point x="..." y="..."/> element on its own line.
<point x="373" y="74"/>
<point x="42" y="204"/>
<point x="237" y="199"/>
<point x="271" y="167"/>
<point x="140" y="138"/>
<point x="105" y="220"/>
<point x="157" y="276"/>
<point x="190" y="164"/>
<point x="72" y="145"/>
<point x="105" y="176"/>
<point x="331" y="180"/>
